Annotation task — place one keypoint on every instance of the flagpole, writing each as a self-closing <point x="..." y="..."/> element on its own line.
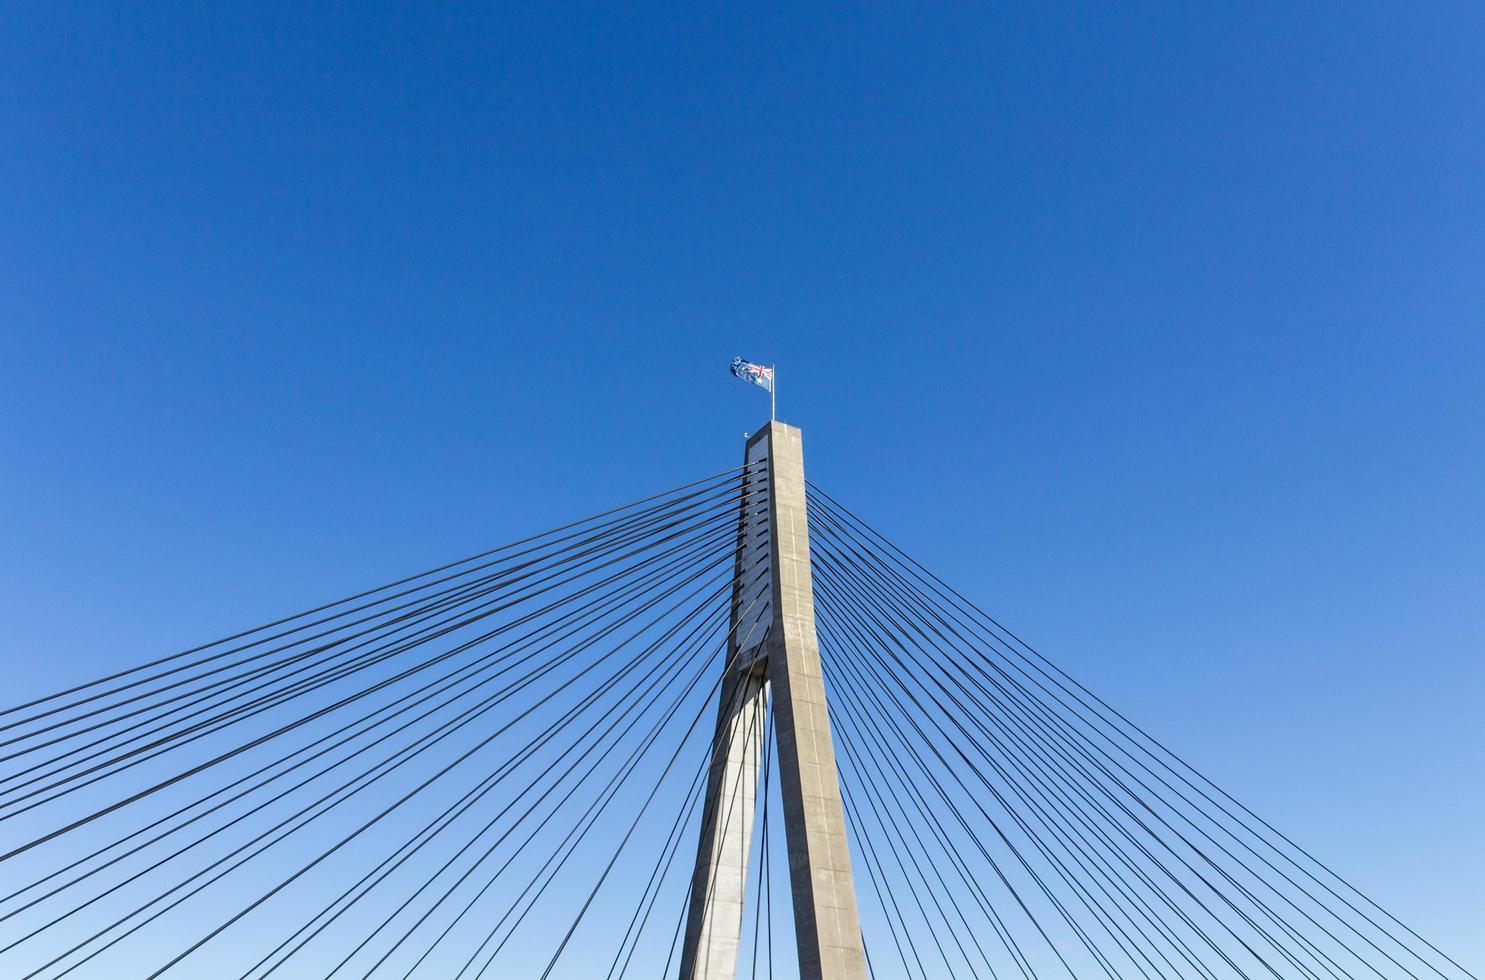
<point x="773" y="394"/>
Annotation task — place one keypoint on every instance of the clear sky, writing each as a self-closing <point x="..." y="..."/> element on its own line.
<point x="1161" y="332"/>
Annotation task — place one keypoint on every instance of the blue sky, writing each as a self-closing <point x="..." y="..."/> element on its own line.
<point x="1159" y="331"/>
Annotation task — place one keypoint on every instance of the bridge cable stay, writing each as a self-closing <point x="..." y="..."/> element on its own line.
<point x="488" y="769"/>
<point x="1013" y="814"/>
<point x="1157" y="878"/>
<point x="1061" y="869"/>
<point x="425" y="713"/>
<point x="1121" y="729"/>
<point x="582" y="740"/>
<point x="1052" y="827"/>
<point x="1061" y="908"/>
<point x="386" y="715"/>
<point x="612" y="633"/>
<point x="862" y="720"/>
<point x="568" y="846"/>
<point x="658" y="500"/>
<point x="828" y="623"/>
<point x="463" y="596"/>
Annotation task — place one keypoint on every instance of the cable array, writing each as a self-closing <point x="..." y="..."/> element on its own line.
<point x="1009" y="823"/>
<point x="421" y="779"/>
<point x="501" y="767"/>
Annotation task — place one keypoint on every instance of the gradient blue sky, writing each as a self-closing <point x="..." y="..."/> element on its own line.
<point x="1160" y="331"/>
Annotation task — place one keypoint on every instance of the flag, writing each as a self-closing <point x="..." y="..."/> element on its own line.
<point x="756" y="373"/>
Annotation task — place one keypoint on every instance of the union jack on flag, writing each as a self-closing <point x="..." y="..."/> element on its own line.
<point x="756" y="373"/>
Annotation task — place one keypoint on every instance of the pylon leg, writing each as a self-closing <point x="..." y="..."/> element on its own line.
<point x="720" y="881"/>
<point x="826" y="921"/>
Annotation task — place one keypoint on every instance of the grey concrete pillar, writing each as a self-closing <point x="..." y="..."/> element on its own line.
<point x="825" y="917"/>
<point x="786" y="656"/>
<point x="720" y="881"/>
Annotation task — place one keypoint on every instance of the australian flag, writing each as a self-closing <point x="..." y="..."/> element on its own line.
<point x="756" y="373"/>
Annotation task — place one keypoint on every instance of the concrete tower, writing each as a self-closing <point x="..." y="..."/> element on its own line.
<point x="774" y="652"/>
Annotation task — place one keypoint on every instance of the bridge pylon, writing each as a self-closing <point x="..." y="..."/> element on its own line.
<point x="774" y="655"/>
